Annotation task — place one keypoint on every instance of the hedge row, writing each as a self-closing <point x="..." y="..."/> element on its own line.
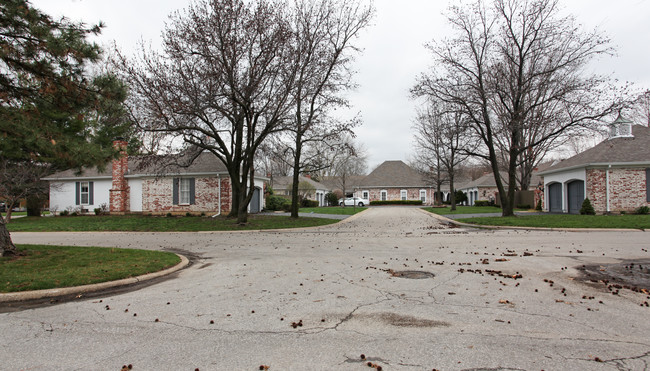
<point x="397" y="202"/>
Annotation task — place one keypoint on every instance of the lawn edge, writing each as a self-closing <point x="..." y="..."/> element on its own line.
<point x="80" y="290"/>
<point x="481" y="226"/>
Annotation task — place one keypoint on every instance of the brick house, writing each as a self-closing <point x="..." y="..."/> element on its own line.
<point x="282" y="186"/>
<point x="614" y="175"/>
<point x="127" y="187"/>
<point x="395" y="180"/>
<point x="485" y="188"/>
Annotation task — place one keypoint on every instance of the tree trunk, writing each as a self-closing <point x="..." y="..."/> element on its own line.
<point x="295" y="201"/>
<point x="10" y="207"/>
<point x="453" y="193"/>
<point x="8" y="248"/>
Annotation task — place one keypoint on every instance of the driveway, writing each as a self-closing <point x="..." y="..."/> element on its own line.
<point x="393" y="284"/>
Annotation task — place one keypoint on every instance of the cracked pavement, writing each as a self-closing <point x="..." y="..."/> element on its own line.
<point x="499" y="300"/>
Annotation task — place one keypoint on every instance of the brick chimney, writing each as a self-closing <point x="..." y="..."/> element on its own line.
<point x="119" y="193"/>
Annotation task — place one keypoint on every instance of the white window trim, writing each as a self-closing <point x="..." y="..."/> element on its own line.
<point x="364" y="193"/>
<point x="403" y="194"/>
<point x="82" y="193"/>
<point x="184" y="196"/>
<point x="383" y="195"/>
<point x="425" y="195"/>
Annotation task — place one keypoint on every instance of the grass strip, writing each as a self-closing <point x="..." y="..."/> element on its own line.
<point x="566" y="221"/>
<point x="465" y="210"/>
<point x="139" y="223"/>
<point x="47" y="267"/>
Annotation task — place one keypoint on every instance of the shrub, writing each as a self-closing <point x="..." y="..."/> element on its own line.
<point x="482" y="203"/>
<point x="169" y="215"/>
<point x="286" y="206"/>
<point x="460" y="197"/>
<point x="397" y="202"/>
<point x="64" y="213"/>
<point x="308" y="203"/>
<point x="523" y="206"/>
<point x="276" y="203"/>
<point x="539" y="205"/>
<point x="586" y="208"/>
<point x="332" y="199"/>
<point x="643" y="210"/>
<point x="188" y="214"/>
<point x="98" y="211"/>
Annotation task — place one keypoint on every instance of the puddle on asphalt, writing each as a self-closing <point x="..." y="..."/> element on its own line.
<point x="630" y="274"/>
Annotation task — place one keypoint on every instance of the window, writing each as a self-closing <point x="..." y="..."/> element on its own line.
<point x="365" y="195"/>
<point x="384" y="195"/>
<point x="84" y="193"/>
<point x="403" y="194"/>
<point x="423" y="195"/>
<point x="183" y="191"/>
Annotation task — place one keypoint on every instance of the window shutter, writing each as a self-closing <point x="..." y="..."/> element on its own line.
<point x="176" y="182"/>
<point x="90" y="193"/>
<point x="192" y="198"/>
<point x="77" y="193"/>
<point x="647" y="185"/>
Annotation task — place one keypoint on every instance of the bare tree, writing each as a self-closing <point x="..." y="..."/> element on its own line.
<point x="442" y="137"/>
<point x="517" y="68"/>
<point x="222" y="84"/>
<point x="323" y="31"/>
<point x="349" y="160"/>
<point x="21" y="180"/>
<point x="640" y="109"/>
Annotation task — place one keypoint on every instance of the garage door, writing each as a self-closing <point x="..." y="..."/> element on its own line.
<point x="576" y="195"/>
<point x="555" y="198"/>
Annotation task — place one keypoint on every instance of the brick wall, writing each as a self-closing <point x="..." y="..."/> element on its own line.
<point x="394" y="194"/>
<point x="157" y="196"/>
<point x="627" y="189"/>
<point x="119" y="192"/>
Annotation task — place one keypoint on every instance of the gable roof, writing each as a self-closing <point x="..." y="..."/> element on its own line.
<point x="393" y="174"/>
<point x="205" y="163"/>
<point x="615" y="151"/>
<point x="285" y="182"/>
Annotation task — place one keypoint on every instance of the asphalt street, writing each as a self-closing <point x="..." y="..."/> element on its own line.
<point x="394" y="287"/>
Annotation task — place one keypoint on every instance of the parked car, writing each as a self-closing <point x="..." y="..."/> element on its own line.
<point x="3" y="207"/>
<point x="351" y="201"/>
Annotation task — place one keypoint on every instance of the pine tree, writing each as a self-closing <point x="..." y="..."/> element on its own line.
<point x="52" y="112"/>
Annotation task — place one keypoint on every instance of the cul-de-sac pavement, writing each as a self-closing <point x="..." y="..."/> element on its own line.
<point x="397" y="285"/>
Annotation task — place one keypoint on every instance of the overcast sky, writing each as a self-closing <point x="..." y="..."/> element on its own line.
<point x="394" y="52"/>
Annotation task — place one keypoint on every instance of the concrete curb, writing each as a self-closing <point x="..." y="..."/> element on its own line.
<point x="500" y="227"/>
<point x="77" y="290"/>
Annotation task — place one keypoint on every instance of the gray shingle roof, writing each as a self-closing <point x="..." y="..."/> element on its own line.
<point x="630" y="150"/>
<point x="205" y="163"/>
<point x="285" y="182"/>
<point x="393" y="174"/>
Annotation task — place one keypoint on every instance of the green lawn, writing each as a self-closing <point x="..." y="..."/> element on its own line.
<point x="464" y="210"/>
<point x="566" y="221"/>
<point x="336" y="210"/>
<point x="137" y="223"/>
<point x="46" y="267"/>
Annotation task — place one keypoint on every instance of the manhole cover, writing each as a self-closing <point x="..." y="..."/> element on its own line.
<point x="415" y="275"/>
